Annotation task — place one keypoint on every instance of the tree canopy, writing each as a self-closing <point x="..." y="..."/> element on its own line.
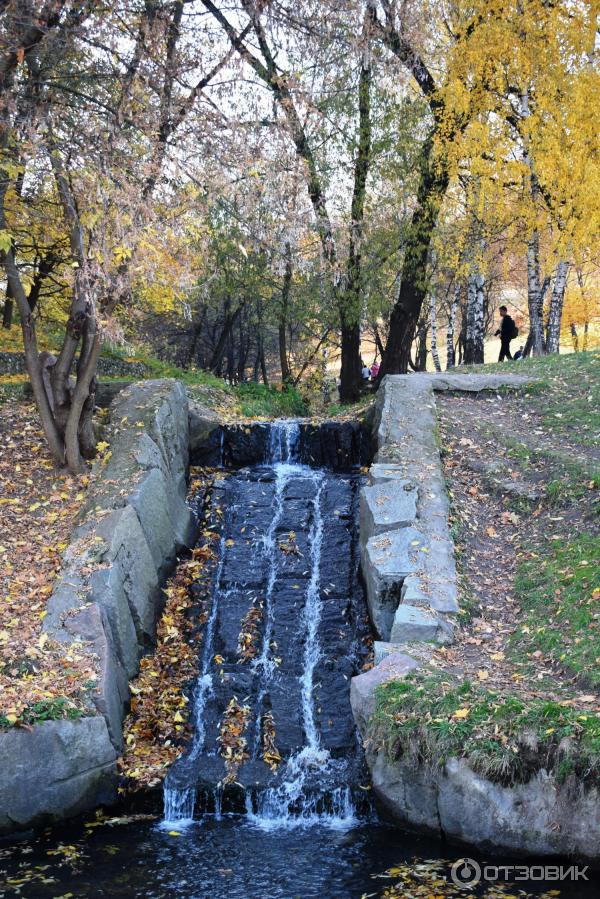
<point x="274" y="180"/>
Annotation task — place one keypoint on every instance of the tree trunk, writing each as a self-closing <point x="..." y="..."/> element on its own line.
<point x="420" y="363"/>
<point x="263" y="364"/>
<point x="221" y="347"/>
<point x="284" y="362"/>
<point x="378" y="342"/>
<point x="197" y="327"/>
<point x="351" y="298"/>
<point x="83" y="398"/>
<point x="350" y="375"/>
<point x="433" y="323"/>
<point x="556" y="307"/>
<point x="450" y="353"/>
<point x="574" y="337"/>
<point x="7" y="312"/>
<point x="413" y="284"/>
<point x="535" y="298"/>
<point x="474" y="335"/>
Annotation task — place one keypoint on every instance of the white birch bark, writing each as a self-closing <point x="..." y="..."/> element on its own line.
<point x="556" y="307"/>
<point x="433" y="322"/>
<point x="475" y="318"/>
<point x="535" y="300"/>
<point x="450" y="353"/>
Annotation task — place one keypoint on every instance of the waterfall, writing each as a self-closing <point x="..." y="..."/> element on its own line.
<point x="283" y="442"/>
<point x="204" y="682"/>
<point x="178" y="806"/>
<point x="295" y="801"/>
<point x="281" y="519"/>
<point x="264" y="664"/>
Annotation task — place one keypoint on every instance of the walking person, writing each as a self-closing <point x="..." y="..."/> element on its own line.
<point x="507" y="332"/>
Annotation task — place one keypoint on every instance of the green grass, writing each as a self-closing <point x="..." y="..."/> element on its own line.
<point x="47" y="710"/>
<point x="260" y="401"/>
<point x="11" y="387"/>
<point x="559" y="592"/>
<point x="429" y="718"/>
<point x="250" y="399"/>
<point x="566" y="391"/>
<point x="565" y="478"/>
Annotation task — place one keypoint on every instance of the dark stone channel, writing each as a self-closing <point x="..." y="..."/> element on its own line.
<point x="288" y="556"/>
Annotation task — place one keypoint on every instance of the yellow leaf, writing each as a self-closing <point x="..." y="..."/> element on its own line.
<point x="461" y="713"/>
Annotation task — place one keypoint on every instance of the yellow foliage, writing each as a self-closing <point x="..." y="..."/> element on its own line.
<point x="544" y="52"/>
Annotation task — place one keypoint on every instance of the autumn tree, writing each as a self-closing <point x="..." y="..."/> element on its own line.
<point x="89" y="131"/>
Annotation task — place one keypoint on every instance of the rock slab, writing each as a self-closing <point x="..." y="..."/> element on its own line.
<point x="56" y="770"/>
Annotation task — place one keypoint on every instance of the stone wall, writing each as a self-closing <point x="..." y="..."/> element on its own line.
<point x="410" y="578"/>
<point x="134" y="523"/>
<point x="407" y="553"/>
<point x="14" y="364"/>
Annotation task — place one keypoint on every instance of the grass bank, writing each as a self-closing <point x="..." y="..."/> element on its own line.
<point x="519" y="690"/>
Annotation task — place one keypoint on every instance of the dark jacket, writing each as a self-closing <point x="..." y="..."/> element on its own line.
<point x="507" y="328"/>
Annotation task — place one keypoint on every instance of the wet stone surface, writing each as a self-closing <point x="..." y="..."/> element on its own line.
<point x="289" y="547"/>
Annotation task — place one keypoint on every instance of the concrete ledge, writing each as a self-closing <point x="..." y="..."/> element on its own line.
<point x="540" y="817"/>
<point x="387" y="506"/>
<point x="410" y="580"/>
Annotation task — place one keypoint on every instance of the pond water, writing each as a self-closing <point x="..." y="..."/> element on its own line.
<point x="233" y="858"/>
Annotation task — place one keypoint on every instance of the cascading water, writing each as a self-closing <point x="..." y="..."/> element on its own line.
<point x="283" y="442"/>
<point x="288" y="561"/>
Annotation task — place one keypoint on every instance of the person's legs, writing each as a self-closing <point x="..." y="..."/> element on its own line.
<point x="504" y="351"/>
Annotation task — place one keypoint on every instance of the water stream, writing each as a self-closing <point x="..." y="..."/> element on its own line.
<point x="288" y="548"/>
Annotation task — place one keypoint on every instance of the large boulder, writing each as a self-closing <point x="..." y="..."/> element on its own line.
<point x="387" y="506"/>
<point x="387" y="560"/>
<point x="56" y="770"/>
<point x="205" y="434"/>
<point x="540" y="817"/>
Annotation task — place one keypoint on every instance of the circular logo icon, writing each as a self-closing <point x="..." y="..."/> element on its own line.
<point x="465" y="872"/>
